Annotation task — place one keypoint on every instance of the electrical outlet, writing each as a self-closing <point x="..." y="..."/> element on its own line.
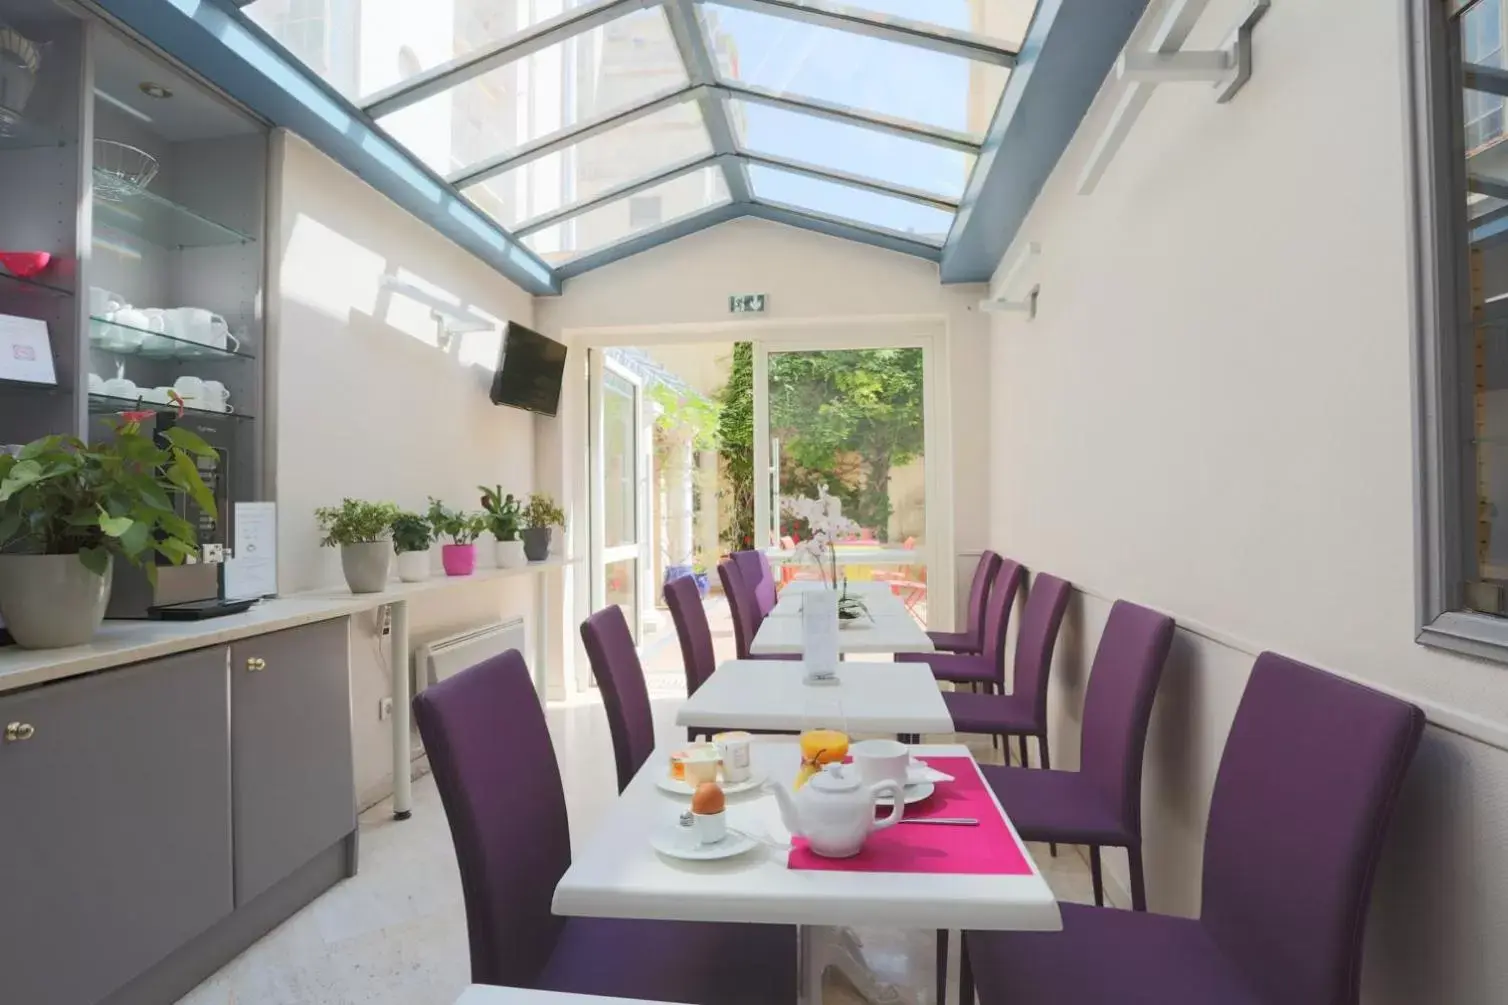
<point x="385" y="620"/>
<point x="384" y="710"/>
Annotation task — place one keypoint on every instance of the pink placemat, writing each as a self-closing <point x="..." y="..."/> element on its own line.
<point x="986" y="850"/>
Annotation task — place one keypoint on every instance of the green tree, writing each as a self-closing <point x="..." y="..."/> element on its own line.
<point x="735" y="438"/>
<point x="847" y="418"/>
<point x="844" y="418"/>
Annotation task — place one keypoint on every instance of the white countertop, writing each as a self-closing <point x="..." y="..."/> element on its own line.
<point x="772" y="694"/>
<point x="119" y="642"/>
<point x="619" y="875"/>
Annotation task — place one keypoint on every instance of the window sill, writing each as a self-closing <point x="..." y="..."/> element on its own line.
<point x="1470" y="634"/>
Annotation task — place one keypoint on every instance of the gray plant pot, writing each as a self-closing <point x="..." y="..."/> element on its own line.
<point x="51" y="601"/>
<point x="536" y="543"/>
<point x="366" y="565"/>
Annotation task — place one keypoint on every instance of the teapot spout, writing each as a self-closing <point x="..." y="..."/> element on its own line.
<point x="788" y="813"/>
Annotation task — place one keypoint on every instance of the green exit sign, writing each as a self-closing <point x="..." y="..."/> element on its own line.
<point x="746" y="303"/>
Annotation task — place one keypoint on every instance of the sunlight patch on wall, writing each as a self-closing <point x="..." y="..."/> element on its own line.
<point x="330" y="273"/>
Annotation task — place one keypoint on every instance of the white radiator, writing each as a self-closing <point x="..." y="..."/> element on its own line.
<point x="442" y="658"/>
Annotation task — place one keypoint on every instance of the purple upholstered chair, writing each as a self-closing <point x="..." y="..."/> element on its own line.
<point x="513" y="845"/>
<point x="971" y="639"/>
<point x="754" y="566"/>
<point x="625" y="696"/>
<point x="1307" y="784"/>
<point x="1100" y="804"/>
<point x="987" y="667"/>
<point x="745" y="611"/>
<point x="697" y="652"/>
<point x="1023" y="712"/>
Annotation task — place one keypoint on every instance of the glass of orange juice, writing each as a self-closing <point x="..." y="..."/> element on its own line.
<point x="824" y="736"/>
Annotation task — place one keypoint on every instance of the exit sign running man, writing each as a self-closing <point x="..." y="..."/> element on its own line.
<point x="746" y="303"/>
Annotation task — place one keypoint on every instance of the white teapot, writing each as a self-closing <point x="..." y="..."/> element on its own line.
<point x="834" y="810"/>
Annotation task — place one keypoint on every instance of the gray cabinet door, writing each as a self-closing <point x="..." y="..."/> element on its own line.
<point x="293" y="782"/>
<point x="114" y="825"/>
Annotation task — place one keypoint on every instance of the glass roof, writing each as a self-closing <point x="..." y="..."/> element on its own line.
<point x="864" y="208"/>
<point x="652" y="208"/>
<point x="577" y="124"/>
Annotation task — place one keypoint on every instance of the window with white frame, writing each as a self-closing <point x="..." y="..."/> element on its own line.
<point x="1461" y="232"/>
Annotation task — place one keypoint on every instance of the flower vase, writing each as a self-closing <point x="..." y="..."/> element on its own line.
<point x="458" y="559"/>
<point x="366" y="565"/>
<point x="509" y="554"/>
<point x="52" y="601"/>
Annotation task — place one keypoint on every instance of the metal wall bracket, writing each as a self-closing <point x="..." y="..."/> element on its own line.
<point x="1227" y="68"/>
<point x="1004" y="304"/>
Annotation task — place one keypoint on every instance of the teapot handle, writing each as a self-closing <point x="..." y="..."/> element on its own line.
<point x="892" y="789"/>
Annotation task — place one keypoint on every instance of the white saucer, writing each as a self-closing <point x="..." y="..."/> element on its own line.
<point x="676" y="841"/>
<point x="917" y="791"/>
<point x="679" y="788"/>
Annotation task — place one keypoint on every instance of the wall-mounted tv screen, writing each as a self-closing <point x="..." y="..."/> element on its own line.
<point x="530" y="369"/>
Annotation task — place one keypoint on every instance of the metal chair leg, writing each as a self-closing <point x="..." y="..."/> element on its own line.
<point x="942" y="966"/>
<point x="1096" y="873"/>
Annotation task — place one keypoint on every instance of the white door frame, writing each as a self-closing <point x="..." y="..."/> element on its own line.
<point x="600" y="556"/>
<point x="936" y="554"/>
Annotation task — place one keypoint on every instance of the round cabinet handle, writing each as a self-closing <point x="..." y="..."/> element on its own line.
<point x="256" y="663"/>
<point x="15" y="732"/>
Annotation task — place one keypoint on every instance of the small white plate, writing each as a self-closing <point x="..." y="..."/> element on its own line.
<point x="917" y="791"/>
<point x="679" y="788"/>
<point x="680" y="842"/>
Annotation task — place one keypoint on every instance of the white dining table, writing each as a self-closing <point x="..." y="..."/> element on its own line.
<point x="772" y="694"/>
<point x="876" y="596"/>
<point x="885" y="631"/>
<point x="619" y="875"/>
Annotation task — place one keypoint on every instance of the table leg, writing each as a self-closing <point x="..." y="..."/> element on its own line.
<point x="810" y="965"/>
<point x="398" y="660"/>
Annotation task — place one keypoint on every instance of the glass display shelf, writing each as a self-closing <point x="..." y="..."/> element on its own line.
<point x="11" y="284"/>
<point x="163" y="222"/>
<point x="128" y="340"/>
<point x="103" y="404"/>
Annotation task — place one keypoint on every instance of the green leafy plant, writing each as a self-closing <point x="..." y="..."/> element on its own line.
<point x="411" y="532"/>
<point x="458" y="525"/>
<point x="503" y="513"/>
<point x="541" y="511"/>
<point x="355" y="521"/>
<point x="62" y="496"/>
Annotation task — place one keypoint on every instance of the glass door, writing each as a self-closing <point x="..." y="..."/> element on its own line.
<point x="852" y="421"/>
<point x="620" y="454"/>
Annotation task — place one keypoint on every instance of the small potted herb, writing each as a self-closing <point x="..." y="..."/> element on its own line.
<point x="502" y="516"/>
<point x="363" y="531"/>
<point x="412" y="536"/>
<point x="458" y="557"/>
<point x="540" y="516"/>
<point x="69" y="509"/>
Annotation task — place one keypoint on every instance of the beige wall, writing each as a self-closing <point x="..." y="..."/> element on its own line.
<point x="368" y="406"/>
<point x="1212" y="415"/>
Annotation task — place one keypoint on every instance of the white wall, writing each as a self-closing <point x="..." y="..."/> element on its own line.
<point x="368" y="406"/>
<point x="819" y="284"/>
<point x="1211" y="415"/>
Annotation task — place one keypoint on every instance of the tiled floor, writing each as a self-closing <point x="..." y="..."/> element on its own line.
<point x="395" y="934"/>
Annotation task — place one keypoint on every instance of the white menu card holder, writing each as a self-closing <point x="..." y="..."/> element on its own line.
<point x="819" y="636"/>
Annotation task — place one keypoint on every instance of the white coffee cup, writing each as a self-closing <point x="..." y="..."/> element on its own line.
<point x="733" y="748"/>
<point x="103" y="303"/>
<point x="216" y="396"/>
<point x="96" y="384"/>
<point x="156" y="395"/>
<point x="710" y="828"/>
<point x="881" y="761"/>
<point x="121" y="387"/>
<point x="192" y="390"/>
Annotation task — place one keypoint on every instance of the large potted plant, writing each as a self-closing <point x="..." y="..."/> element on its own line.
<point x="412" y="537"/>
<point x="502" y="513"/>
<point x="458" y="557"/>
<point x="363" y="531"/>
<point x="540" y="516"/>
<point x="68" y="509"/>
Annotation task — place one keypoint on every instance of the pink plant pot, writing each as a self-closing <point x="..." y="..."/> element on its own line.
<point x="458" y="559"/>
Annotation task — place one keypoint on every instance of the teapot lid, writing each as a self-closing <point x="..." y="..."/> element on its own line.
<point x="833" y="778"/>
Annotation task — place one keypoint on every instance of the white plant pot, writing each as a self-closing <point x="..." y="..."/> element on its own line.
<point x="509" y="554"/>
<point x="366" y="565"/>
<point x="413" y="566"/>
<point x="51" y="601"/>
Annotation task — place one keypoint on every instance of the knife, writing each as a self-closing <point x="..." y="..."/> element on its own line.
<point x="955" y="821"/>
